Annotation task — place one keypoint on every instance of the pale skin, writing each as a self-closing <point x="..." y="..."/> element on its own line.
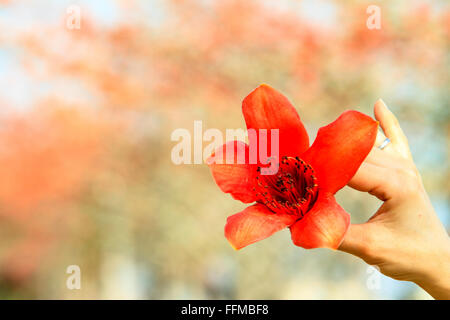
<point x="405" y="239"/>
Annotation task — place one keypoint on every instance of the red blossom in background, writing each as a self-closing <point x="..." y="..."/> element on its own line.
<point x="301" y="194"/>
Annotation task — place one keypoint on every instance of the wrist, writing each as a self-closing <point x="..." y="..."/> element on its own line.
<point x="435" y="276"/>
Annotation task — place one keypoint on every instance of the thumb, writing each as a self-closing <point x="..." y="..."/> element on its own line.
<point x="357" y="240"/>
<point x="371" y="178"/>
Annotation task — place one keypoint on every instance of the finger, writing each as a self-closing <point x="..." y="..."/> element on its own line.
<point x="388" y="121"/>
<point x="356" y="240"/>
<point x="372" y="179"/>
<point x="391" y="127"/>
<point x="387" y="158"/>
<point x="380" y="138"/>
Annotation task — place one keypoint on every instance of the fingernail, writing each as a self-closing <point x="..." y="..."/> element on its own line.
<point x="382" y="102"/>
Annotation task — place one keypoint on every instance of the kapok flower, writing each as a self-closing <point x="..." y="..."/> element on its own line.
<point x="300" y="196"/>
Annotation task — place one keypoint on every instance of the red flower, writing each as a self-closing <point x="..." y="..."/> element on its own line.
<point x="301" y="194"/>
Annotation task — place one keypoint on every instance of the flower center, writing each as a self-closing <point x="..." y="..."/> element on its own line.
<point x="292" y="190"/>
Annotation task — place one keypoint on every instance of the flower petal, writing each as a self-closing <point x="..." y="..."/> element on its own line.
<point x="324" y="226"/>
<point x="266" y="108"/>
<point x="340" y="148"/>
<point x="232" y="171"/>
<point x="253" y="224"/>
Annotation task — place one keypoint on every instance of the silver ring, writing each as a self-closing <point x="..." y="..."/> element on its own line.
<point x="384" y="144"/>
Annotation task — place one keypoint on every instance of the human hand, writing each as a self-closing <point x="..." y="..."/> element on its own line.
<point x="404" y="238"/>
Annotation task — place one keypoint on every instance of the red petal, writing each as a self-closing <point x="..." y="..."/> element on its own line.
<point x="340" y="148"/>
<point x="324" y="226"/>
<point x="253" y="224"/>
<point x="266" y="108"/>
<point x="232" y="177"/>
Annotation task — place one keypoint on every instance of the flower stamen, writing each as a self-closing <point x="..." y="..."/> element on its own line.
<point x="292" y="190"/>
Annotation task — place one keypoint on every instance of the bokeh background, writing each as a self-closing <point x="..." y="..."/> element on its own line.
<point x="86" y="176"/>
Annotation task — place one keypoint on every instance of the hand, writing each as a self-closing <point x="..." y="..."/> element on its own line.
<point x="404" y="238"/>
